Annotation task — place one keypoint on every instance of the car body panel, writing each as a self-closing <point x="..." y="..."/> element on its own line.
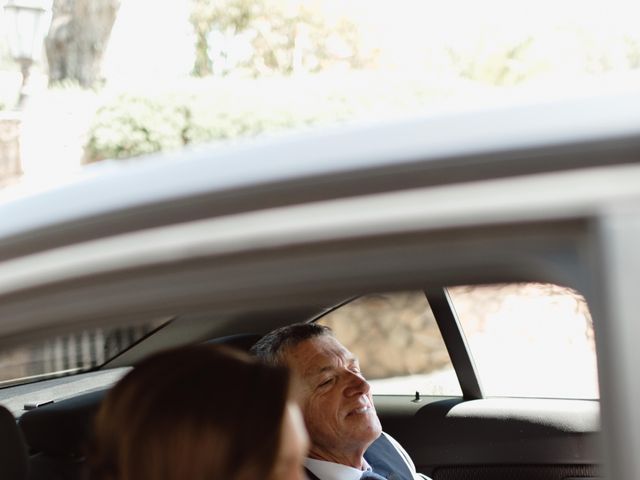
<point x="442" y="148"/>
<point x="470" y="217"/>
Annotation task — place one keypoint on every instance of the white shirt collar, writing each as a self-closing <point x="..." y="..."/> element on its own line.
<point x="334" y="471"/>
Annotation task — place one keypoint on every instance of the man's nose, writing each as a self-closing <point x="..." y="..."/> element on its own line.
<point x="356" y="385"/>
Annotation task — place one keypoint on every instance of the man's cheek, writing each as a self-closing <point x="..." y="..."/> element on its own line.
<point x="310" y="414"/>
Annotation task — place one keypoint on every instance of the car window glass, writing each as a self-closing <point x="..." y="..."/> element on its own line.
<point x="70" y="353"/>
<point x="398" y="343"/>
<point x="529" y="339"/>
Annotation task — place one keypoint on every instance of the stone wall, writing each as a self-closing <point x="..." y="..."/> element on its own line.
<point x="391" y="334"/>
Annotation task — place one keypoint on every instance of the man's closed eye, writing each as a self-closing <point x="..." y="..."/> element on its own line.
<point x="325" y="382"/>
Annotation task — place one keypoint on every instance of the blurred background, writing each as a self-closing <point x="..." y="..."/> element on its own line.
<point x="86" y="80"/>
<point x="526" y="339"/>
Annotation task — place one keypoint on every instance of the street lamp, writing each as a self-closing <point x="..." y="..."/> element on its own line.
<point x="26" y="23"/>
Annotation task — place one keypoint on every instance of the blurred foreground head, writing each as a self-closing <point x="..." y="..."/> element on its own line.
<point x="199" y="413"/>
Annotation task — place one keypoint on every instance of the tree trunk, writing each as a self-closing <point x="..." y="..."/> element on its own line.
<point x="78" y="37"/>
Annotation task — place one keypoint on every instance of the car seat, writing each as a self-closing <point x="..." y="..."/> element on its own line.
<point x="13" y="451"/>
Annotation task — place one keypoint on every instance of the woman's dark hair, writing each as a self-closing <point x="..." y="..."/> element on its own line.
<point x="199" y="413"/>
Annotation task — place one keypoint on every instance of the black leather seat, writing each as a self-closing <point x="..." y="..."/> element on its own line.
<point x="58" y="436"/>
<point x="13" y="451"/>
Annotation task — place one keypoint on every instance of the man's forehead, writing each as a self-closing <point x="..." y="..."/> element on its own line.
<point x="317" y="354"/>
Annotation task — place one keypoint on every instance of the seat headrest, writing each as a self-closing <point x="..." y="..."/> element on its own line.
<point x="62" y="428"/>
<point x="65" y="427"/>
<point x="13" y="451"/>
<point x="242" y="341"/>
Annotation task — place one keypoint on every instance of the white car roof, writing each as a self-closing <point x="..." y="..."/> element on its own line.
<point x="446" y="146"/>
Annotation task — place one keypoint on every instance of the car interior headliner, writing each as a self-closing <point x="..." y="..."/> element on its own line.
<point x="194" y="328"/>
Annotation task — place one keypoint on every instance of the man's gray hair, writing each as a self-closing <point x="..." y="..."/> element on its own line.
<point x="271" y="348"/>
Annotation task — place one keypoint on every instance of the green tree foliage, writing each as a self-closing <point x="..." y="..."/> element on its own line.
<point x="261" y="37"/>
<point x="496" y="64"/>
<point x="265" y="41"/>
<point x="134" y="125"/>
<point x="220" y="109"/>
<point x="138" y="123"/>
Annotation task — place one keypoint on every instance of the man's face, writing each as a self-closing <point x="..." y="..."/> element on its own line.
<point x="335" y="398"/>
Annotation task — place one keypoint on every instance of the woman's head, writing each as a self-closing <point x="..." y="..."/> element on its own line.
<point x="198" y="412"/>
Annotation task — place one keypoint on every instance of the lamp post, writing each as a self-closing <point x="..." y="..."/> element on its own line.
<point x="26" y="23"/>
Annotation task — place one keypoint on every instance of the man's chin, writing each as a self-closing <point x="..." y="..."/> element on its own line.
<point x="366" y="427"/>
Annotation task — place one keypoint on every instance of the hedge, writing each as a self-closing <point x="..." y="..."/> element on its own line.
<point x="139" y="123"/>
